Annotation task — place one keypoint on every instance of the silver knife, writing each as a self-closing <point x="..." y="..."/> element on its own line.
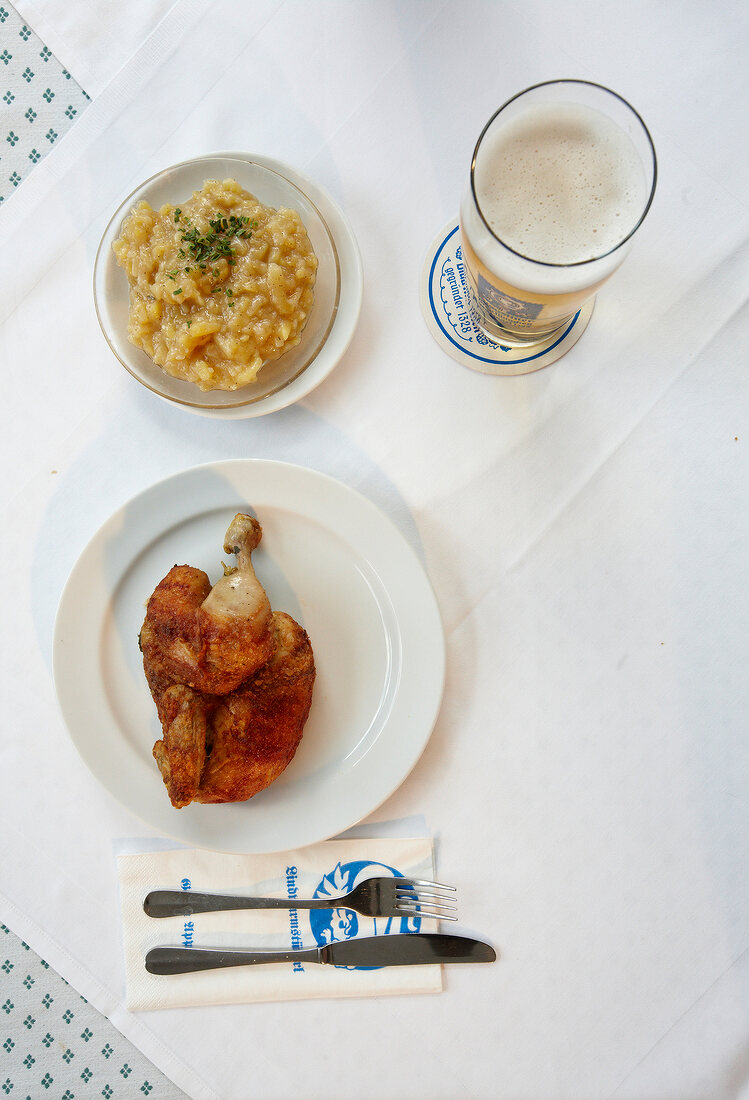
<point x="408" y="949"/>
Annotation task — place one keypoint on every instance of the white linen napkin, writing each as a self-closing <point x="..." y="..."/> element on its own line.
<point x="331" y="868"/>
<point x="93" y="39"/>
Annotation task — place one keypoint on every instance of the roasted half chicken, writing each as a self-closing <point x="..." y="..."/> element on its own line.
<point x="232" y="681"/>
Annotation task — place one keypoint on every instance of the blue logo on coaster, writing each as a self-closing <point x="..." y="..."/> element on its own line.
<point x="451" y="314"/>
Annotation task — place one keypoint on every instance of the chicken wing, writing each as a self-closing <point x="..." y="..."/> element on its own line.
<point x="181" y="754"/>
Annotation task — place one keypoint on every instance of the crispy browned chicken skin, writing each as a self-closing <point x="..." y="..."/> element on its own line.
<point x="210" y="639"/>
<point x="224" y="745"/>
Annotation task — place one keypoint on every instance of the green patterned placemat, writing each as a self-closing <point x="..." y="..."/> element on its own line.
<point x="54" y="1044"/>
<point x="39" y="100"/>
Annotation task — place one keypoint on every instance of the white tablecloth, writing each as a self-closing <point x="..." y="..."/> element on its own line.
<point x="586" y="530"/>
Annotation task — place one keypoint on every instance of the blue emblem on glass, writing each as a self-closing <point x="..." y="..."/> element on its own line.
<point x="499" y="306"/>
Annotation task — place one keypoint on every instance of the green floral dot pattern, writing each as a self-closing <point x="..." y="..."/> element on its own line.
<point x="39" y="101"/>
<point x="55" y="1044"/>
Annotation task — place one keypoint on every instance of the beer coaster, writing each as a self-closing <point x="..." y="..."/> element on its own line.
<point x="447" y="311"/>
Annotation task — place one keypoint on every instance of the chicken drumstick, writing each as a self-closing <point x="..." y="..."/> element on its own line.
<point x="209" y="639"/>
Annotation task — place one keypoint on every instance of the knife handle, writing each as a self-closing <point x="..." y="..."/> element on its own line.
<point x="186" y="960"/>
<point x="183" y="903"/>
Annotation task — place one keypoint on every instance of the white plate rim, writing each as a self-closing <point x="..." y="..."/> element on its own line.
<point x="347" y="311"/>
<point x="351" y="516"/>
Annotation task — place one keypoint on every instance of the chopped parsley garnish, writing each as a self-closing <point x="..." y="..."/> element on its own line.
<point x="207" y="249"/>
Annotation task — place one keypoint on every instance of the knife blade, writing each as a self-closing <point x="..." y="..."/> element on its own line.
<point x="409" y="949"/>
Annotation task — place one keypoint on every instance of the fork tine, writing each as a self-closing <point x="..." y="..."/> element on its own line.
<point x="412" y="895"/>
<point x="421" y="882"/>
<point x="424" y="915"/>
<point x="417" y="904"/>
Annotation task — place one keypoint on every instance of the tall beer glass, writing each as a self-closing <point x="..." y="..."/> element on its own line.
<point x="562" y="177"/>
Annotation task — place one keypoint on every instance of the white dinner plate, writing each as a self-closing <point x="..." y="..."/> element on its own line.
<point x="330" y="559"/>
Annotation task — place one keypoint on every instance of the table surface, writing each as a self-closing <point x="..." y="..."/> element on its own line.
<point x="584" y="528"/>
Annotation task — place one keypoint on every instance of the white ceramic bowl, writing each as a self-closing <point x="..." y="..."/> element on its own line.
<point x="334" y="313"/>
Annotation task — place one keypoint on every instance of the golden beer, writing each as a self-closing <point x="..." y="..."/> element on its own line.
<point x="562" y="176"/>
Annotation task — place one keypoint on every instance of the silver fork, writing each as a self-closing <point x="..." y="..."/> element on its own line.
<point x="375" y="897"/>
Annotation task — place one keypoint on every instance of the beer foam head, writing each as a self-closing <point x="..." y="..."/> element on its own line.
<point x="560" y="183"/>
